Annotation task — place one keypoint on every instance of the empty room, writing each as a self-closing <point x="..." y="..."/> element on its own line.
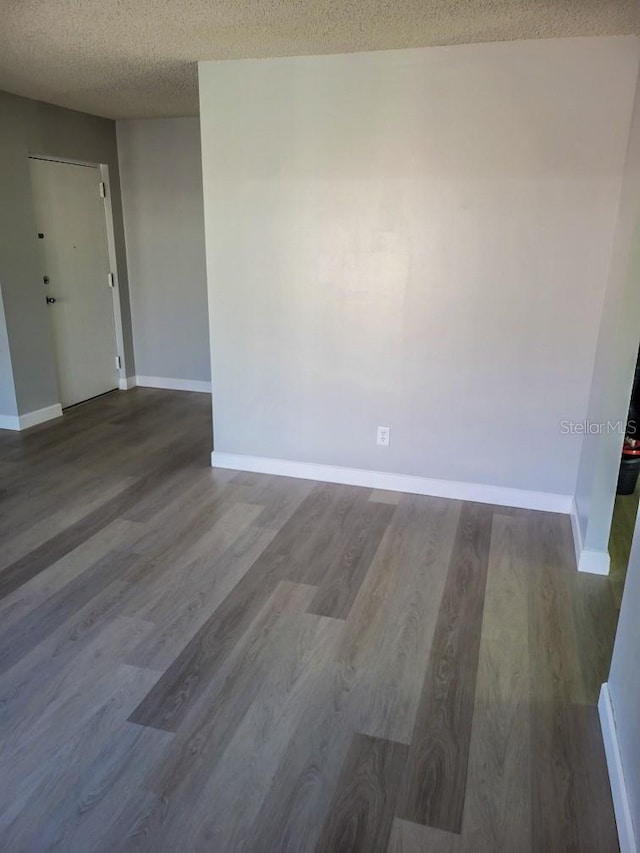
<point x="319" y="461"/>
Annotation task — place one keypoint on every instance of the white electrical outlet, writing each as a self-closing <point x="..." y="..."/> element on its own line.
<point x="383" y="436"/>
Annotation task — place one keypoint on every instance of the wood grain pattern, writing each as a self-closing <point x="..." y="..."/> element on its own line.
<point x="390" y="628"/>
<point x="409" y="837"/>
<point x="596" y="616"/>
<point x="212" y="722"/>
<point x="435" y="784"/>
<point x="31" y="564"/>
<point x="497" y="814"/>
<point x="295" y="808"/>
<point x="314" y="538"/>
<point x="188" y="599"/>
<point x="345" y="573"/>
<point x="363" y="805"/>
<point x="18" y="640"/>
<point x="118" y="536"/>
<point x="559" y="732"/>
<point x="214" y="802"/>
<point x="210" y="660"/>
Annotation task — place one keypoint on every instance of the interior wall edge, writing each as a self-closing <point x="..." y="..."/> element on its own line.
<point x="621" y="805"/>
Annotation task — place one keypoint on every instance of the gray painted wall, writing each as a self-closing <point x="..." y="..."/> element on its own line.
<point x="32" y="127"/>
<point x="615" y="359"/>
<point x="415" y="239"/>
<point x="161" y="176"/>
<point x="624" y="681"/>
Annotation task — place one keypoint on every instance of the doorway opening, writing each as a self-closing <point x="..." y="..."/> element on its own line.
<point x="627" y="498"/>
<point x="73" y="238"/>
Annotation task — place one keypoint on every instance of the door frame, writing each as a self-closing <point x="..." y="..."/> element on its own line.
<point x="103" y="171"/>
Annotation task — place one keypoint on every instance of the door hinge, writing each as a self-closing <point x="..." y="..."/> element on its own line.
<point x="118" y="362"/>
<point x="103" y="190"/>
<point x="111" y="279"/>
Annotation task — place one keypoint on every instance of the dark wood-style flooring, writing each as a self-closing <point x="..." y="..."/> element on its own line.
<point x="201" y="660"/>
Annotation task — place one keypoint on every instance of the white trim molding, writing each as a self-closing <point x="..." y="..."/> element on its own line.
<point x="127" y="382"/>
<point x="9" y="422"/>
<point x="173" y="384"/>
<point x="575" y="529"/>
<point x="498" y="495"/>
<point x="594" y="562"/>
<point x="587" y="559"/>
<point x="621" y="806"/>
<point x="30" y="419"/>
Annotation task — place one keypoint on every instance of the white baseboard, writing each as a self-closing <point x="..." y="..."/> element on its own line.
<point x="40" y="416"/>
<point x="9" y="422"/>
<point x="395" y="482"/>
<point x="594" y="562"/>
<point x="173" y="384"/>
<point x="577" y="532"/>
<point x="587" y="559"/>
<point x="30" y="419"/>
<point x="622" y="808"/>
<point x="127" y="382"/>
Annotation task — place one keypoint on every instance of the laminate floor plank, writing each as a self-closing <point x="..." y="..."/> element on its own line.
<point x="198" y="538"/>
<point x="212" y="722"/>
<point x="362" y="809"/>
<point x="215" y="806"/>
<point x="561" y="818"/>
<point x="188" y="676"/>
<point x="228" y="662"/>
<point x="409" y="837"/>
<point x="294" y="811"/>
<point x="596" y="616"/>
<point x="280" y="497"/>
<point x="38" y="503"/>
<point x="390" y="628"/>
<point x="121" y="685"/>
<point x="186" y="510"/>
<point x="119" y="535"/>
<point x="39" y="533"/>
<point x="37" y="560"/>
<point x="435" y="783"/>
<point x="344" y="575"/>
<point x="497" y="814"/>
<point x="180" y="613"/>
<point x="171" y="491"/>
<point x="81" y="812"/>
<point x="17" y="640"/>
<point x="39" y="708"/>
<point x="81" y="628"/>
<point x="317" y="525"/>
<point x="52" y="796"/>
<point x="167" y="554"/>
<point x="596" y="828"/>
<point x="330" y="538"/>
<point x="385" y="497"/>
<point x="55" y="656"/>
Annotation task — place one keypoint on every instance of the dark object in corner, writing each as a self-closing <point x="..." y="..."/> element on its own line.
<point x="630" y="464"/>
<point x="628" y="476"/>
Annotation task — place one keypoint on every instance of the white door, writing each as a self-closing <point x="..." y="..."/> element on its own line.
<point x="72" y="240"/>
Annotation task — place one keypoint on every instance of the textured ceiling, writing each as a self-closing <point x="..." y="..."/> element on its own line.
<point x="134" y="58"/>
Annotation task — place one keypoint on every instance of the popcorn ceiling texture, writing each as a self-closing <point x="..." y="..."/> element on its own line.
<point x="137" y="58"/>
